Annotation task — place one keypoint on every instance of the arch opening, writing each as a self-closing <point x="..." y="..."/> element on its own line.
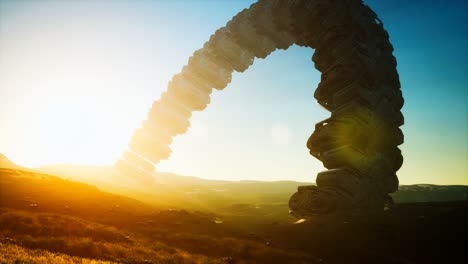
<point x="252" y="123"/>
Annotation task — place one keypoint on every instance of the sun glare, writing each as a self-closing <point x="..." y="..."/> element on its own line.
<point x="73" y="92"/>
<point x="281" y="134"/>
<point x="72" y="106"/>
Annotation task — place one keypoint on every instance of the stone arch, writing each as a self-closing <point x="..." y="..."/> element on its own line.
<point x="359" y="85"/>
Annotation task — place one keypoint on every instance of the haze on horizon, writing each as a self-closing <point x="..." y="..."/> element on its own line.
<point x="76" y="77"/>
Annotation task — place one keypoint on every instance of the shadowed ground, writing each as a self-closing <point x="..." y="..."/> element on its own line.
<point x="41" y="213"/>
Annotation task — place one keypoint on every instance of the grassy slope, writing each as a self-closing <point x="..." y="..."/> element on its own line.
<point x="172" y="191"/>
<point x="10" y="253"/>
<point x="41" y="192"/>
<point x="80" y="220"/>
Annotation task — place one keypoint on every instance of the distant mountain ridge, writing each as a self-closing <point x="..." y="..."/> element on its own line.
<point x="173" y="190"/>
<point x="430" y="193"/>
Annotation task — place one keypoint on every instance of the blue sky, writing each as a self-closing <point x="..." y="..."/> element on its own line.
<point x="76" y="77"/>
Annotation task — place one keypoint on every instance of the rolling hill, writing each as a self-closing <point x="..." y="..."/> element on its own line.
<point x="172" y="190"/>
<point x="52" y="217"/>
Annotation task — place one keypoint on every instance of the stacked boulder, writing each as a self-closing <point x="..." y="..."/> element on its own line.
<point x="360" y="86"/>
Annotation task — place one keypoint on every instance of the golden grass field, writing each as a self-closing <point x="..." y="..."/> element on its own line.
<point x="48" y="219"/>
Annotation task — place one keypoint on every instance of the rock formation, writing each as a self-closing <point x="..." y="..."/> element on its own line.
<point x="360" y="86"/>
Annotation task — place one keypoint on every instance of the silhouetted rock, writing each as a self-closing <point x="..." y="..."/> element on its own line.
<point x="360" y="86"/>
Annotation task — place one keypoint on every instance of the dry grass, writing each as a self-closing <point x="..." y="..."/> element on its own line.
<point x="80" y="221"/>
<point x="15" y="254"/>
<point x="144" y="244"/>
<point x="77" y="237"/>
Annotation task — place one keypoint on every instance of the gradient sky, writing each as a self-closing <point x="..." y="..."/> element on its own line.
<point x="76" y="77"/>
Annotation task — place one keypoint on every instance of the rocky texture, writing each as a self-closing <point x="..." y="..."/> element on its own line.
<point x="359" y="86"/>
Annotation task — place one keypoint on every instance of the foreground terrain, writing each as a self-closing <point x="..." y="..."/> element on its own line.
<point x="47" y="219"/>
